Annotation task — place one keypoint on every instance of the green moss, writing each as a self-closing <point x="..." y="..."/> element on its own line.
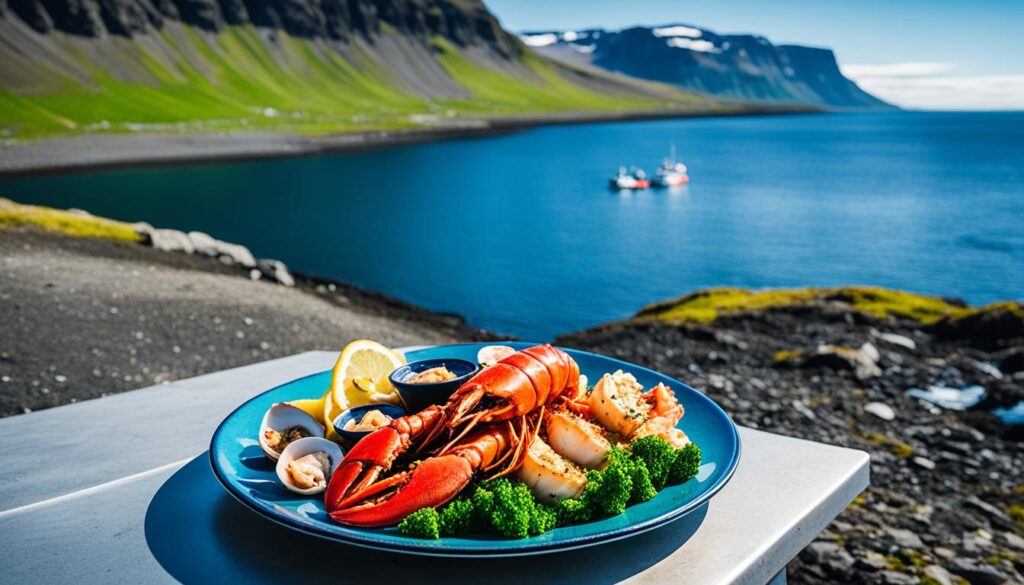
<point x="901" y="449"/>
<point x="914" y="558"/>
<point x="72" y="224"/>
<point x="708" y="305"/>
<point x="926" y="580"/>
<point x="786" y="355"/>
<point x="1017" y="513"/>
<point x="894" y="563"/>
<point x="897" y="448"/>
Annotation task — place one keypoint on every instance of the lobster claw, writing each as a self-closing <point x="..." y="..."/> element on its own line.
<point x="432" y="483"/>
<point x="362" y="465"/>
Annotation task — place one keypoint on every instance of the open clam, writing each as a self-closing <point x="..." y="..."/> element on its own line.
<point x="282" y="425"/>
<point x="306" y="465"/>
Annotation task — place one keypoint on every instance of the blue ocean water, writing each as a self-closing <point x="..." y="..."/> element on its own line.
<point x="520" y="234"/>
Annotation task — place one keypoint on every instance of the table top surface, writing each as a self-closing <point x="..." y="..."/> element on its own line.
<point x="120" y="488"/>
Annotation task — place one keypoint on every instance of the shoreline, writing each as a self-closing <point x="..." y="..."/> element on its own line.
<point x="86" y="153"/>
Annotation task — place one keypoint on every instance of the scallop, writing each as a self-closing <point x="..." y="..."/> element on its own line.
<point x="282" y="417"/>
<point x="309" y="466"/>
<point x="550" y="476"/>
<point x="617" y="402"/>
<point x="580" y="441"/>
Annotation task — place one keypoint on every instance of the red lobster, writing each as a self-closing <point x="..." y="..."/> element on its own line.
<point x="507" y="398"/>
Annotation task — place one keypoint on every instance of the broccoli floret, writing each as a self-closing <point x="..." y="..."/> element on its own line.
<point x="422" y="523"/>
<point x="542" y="519"/>
<point x="609" y="490"/>
<point x="483" y="502"/>
<point x="455" y="517"/>
<point x="513" y="505"/>
<point x="658" y="455"/>
<point x="686" y="463"/>
<point x="573" y="511"/>
<point x="643" y="488"/>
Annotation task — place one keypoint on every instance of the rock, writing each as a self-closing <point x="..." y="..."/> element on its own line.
<point x="1013" y="541"/>
<point x="203" y="244"/>
<point x="976" y="574"/>
<point x="276" y="271"/>
<point x="881" y="410"/>
<point x="863" y="361"/>
<point x="993" y="513"/>
<point x="873" y="560"/>
<point x="943" y="552"/>
<point x="831" y="555"/>
<point x="894" y="578"/>
<point x="229" y="253"/>
<point x="238" y="253"/>
<point x="1012" y="361"/>
<point x="924" y="463"/>
<point x="171" y="241"/>
<point x="904" y="538"/>
<point x="899" y="340"/>
<point x="939" y="575"/>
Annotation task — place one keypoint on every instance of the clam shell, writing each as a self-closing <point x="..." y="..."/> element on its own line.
<point x="282" y="416"/>
<point x="304" y="447"/>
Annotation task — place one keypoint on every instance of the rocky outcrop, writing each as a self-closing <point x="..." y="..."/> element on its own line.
<point x="466" y="22"/>
<point x="745" y="67"/>
<point x="945" y="501"/>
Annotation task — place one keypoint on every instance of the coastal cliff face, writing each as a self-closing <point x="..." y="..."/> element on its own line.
<point x="745" y="67"/>
<point x="465" y="22"/>
<point x="311" y="66"/>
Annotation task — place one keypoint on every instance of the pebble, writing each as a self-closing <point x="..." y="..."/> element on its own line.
<point x="924" y="462"/>
<point x="939" y="575"/>
<point x="881" y="410"/>
<point x="900" y="340"/>
<point x="894" y="578"/>
<point x="904" y="538"/>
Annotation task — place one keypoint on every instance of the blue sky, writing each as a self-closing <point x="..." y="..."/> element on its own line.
<point x="938" y="54"/>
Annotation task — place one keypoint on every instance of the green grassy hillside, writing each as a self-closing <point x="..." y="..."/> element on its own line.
<point x="190" y="81"/>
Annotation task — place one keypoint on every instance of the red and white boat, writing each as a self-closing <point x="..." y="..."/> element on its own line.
<point x="671" y="173"/>
<point x="632" y="179"/>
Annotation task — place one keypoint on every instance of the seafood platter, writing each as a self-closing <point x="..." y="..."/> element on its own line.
<point x="476" y="450"/>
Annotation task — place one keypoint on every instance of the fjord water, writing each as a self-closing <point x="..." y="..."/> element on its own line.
<point x="520" y="233"/>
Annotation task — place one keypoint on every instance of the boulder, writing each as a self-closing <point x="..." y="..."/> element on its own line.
<point x="862" y="361"/>
<point x="171" y="241"/>
<point x="276" y="271"/>
<point x="238" y="253"/>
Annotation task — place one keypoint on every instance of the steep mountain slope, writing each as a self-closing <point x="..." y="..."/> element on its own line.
<point x="73" y="66"/>
<point x="742" y="67"/>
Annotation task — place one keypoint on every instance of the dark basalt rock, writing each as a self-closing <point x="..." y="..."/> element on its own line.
<point x="464" y="23"/>
<point x="943" y="482"/>
<point x="996" y="328"/>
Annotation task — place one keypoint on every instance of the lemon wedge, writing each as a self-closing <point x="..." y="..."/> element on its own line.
<point x="314" y="407"/>
<point x="361" y="376"/>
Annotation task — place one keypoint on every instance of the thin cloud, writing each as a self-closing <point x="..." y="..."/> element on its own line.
<point x="912" y="69"/>
<point x="922" y="86"/>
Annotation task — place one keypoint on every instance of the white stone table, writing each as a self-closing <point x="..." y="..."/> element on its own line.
<point x="119" y="490"/>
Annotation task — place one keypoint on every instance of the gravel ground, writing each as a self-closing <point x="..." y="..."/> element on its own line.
<point x="946" y="502"/>
<point x="83" y="318"/>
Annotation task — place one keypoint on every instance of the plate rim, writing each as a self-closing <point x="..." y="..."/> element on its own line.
<point x="492" y="551"/>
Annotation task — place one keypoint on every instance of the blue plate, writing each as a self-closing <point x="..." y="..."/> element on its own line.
<point x="248" y="475"/>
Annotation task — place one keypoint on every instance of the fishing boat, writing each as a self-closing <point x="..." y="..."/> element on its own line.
<point x="671" y="173"/>
<point x="632" y="179"/>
